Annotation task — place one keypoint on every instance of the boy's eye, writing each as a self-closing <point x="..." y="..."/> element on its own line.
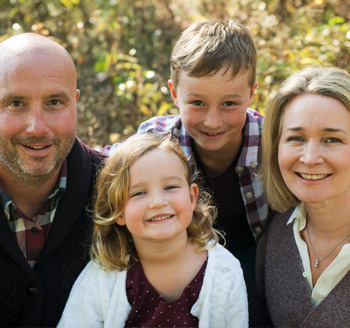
<point x="229" y="103"/>
<point x="198" y="103"/>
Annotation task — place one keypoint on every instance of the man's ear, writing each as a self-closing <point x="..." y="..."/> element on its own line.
<point x="173" y="92"/>
<point x="77" y="94"/>
<point x="120" y="220"/>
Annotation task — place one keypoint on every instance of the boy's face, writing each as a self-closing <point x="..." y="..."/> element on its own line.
<point x="213" y="109"/>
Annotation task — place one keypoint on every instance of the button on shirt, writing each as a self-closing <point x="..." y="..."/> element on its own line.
<point x="332" y="275"/>
<point x="31" y="233"/>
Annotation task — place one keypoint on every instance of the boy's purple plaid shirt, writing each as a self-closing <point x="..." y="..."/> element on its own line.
<point x="247" y="167"/>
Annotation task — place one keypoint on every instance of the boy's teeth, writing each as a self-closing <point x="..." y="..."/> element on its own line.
<point x="212" y="134"/>
<point x="313" y="176"/>
<point x="160" y="218"/>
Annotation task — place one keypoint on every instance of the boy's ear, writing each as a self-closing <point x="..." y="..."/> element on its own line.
<point x="252" y="91"/>
<point x="194" y="191"/>
<point x="173" y="92"/>
<point x="120" y="220"/>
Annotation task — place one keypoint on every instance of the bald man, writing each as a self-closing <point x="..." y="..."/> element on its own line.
<point x="47" y="178"/>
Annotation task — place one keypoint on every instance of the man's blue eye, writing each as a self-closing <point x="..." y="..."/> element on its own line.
<point x="54" y="102"/>
<point x="16" y="103"/>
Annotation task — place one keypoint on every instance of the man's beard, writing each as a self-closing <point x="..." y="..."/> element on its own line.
<point x="31" y="173"/>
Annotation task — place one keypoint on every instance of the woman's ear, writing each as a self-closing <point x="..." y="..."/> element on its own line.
<point x="120" y="220"/>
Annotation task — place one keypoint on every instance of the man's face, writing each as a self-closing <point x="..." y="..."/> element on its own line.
<point x="37" y="116"/>
<point x="213" y="109"/>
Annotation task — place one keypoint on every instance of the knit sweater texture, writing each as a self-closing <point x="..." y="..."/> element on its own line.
<point x="36" y="297"/>
<point x="280" y="280"/>
<point x="99" y="299"/>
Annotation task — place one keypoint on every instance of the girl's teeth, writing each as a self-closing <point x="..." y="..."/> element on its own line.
<point x="160" y="218"/>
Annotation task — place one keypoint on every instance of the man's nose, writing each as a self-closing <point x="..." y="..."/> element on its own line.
<point x="37" y="121"/>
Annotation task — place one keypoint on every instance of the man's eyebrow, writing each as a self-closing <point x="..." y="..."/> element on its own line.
<point x="9" y="98"/>
<point x="58" y="95"/>
<point x="12" y="96"/>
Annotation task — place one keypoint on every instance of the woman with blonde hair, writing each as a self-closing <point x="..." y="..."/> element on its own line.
<point x="156" y="261"/>
<point x="303" y="257"/>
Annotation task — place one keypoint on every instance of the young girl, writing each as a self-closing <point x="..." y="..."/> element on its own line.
<point x="156" y="260"/>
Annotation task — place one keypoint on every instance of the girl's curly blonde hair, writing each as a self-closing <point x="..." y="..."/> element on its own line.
<point x="112" y="245"/>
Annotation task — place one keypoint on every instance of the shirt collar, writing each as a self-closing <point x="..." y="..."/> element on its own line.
<point x="61" y="186"/>
<point x="299" y="215"/>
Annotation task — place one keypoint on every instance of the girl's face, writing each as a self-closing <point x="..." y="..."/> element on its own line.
<point x="314" y="149"/>
<point x="160" y="203"/>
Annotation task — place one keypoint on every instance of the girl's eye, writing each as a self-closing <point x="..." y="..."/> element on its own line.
<point x="138" y="193"/>
<point x="198" y="103"/>
<point x="229" y="103"/>
<point x="171" y="187"/>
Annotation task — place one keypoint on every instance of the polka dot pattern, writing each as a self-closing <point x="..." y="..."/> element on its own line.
<point x="149" y="309"/>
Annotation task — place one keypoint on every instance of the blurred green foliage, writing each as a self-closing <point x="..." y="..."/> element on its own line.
<point x="122" y="48"/>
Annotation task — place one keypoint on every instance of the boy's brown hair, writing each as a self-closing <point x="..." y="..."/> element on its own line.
<point x="205" y="47"/>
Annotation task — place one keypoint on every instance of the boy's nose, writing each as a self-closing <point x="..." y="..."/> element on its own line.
<point x="213" y="119"/>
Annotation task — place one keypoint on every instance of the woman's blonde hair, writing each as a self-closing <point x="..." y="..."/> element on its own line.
<point x="112" y="245"/>
<point x="325" y="81"/>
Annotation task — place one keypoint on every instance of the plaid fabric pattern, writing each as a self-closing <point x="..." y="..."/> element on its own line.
<point x="247" y="167"/>
<point x="31" y="233"/>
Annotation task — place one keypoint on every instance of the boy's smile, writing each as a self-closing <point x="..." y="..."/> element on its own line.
<point x="213" y="109"/>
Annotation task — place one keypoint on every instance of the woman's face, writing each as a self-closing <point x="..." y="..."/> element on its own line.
<point x="314" y="149"/>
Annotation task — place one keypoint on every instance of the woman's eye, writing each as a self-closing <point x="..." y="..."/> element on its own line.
<point x="333" y="140"/>
<point x="295" y="138"/>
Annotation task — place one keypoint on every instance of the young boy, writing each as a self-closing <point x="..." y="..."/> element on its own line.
<point x="213" y="68"/>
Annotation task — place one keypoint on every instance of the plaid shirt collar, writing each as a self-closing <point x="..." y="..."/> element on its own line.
<point x="7" y="202"/>
<point x="249" y="157"/>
